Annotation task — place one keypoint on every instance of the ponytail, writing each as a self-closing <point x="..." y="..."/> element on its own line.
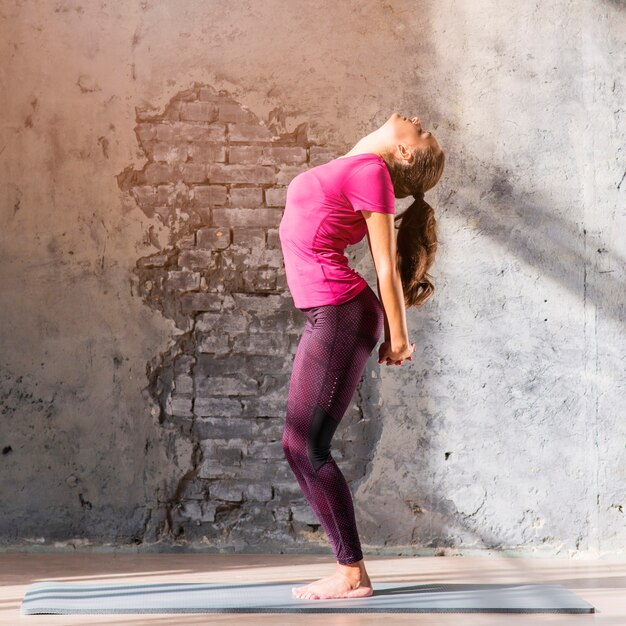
<point x="416" y="248"/>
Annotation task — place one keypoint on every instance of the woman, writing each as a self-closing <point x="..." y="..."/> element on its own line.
<point x="327" y="208"/>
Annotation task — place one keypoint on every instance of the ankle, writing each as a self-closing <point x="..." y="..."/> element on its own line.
<point x="354" y="571"/>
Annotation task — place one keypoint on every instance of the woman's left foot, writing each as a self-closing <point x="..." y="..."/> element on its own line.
<point x="337" y="585"/>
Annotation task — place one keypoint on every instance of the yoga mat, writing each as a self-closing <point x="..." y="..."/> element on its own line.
<point x="70" y="598"/>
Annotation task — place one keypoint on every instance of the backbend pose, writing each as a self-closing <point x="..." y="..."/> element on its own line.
<point x="327" y="208"/>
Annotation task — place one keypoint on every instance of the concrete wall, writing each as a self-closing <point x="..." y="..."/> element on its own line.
<point x="147" y="332"/>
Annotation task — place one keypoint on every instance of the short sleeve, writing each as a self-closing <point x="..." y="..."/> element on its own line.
<point x="370" y="188"/>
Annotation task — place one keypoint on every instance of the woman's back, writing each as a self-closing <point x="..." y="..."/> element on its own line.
<point x="322" y="217"/>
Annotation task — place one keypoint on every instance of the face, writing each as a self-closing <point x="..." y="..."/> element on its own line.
<point x="408" y="133"/>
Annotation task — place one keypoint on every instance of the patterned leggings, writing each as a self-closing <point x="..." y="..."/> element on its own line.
<point x="329" y="362"/>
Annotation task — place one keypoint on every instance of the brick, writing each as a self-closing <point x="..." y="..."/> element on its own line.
<point x="267" y="405"/>
<point x="215" y="426"/>
<point x="237" y="490"/>
<point x="287" y="173"/>
<point x="265" y="450"/>
<point x="159" y="173"/>
<point x="261" y="343"/>
<point x="222" y="322"/>
<point x="247" y="217"/>
<point x="217" y="407"/>
<point x="194" y="490"/>
<point x="248" y="132"/>
<point x="240" y="385"/>
<point x="194" y="172"/>
<point x="191" y="302"/>
<point x="229" y="456"/>
<point x="246" y="197"/>
<point x="208" y="94"/>
<point x="259" y="492"/>
<point x="190" y="510"/>
<point x="198" y="511"/>
<point x="213" y="344"/>
<point x="198" y="112"/>
<point x="262" y="304"/>
<point x="208" y="511"/>
<point x="185" y="242"/>
<point x="145" y="195"/>
<point x="166" y="195"/>
<point x="268" y="155"/>
<point x="288" y="155"/>
<point x="264" y="280"/>
<point x="221" y="428"/>
<point x="214" y="468"/>
<point x="281" y="282"/>
<point x="165" y="132"/>
<point x="172" y="110"/>
<point x="145" y="131"/>
<point x="281" y="513"/>
<point x="184" y="131"/>
<point x="269" y="258"/>
<point x="195" y="259"/>
<point x="273" y="239"/>
<point x="245" y="154"/>
<point x="212" y="406"/>
<point x="270" y="365"/>
<point x="304" y="514"/>
<point x="183" y="281"/>
<point x="318" y="155"/>
<point x="213" y="448"/>
<point x="230" y="491"/>
<point x="213" y="238"/>
<point x="170" y="152"/>
<point x="236" y="113"/>
<point x="155" y="260"/>
<point x="208" y="365"/>
<point x="179" y="405"/>
<point x="183" y="383"/>
<point x="276" y="196"/>
<point x="287" y="491"/>
<point x="144" y="114"/>
<point x="250" y="237"/>
<point x="207" y="152"/>
<point x="259" y="174"/>
<point x="183" y="364"/>
<point x="208" y="195"/>
<point x="289" y="323"/>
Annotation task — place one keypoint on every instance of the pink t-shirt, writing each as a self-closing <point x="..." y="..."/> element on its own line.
<point x="322" y="217"/>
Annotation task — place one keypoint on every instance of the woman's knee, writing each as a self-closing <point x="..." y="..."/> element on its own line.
<point x="323" y="427"/>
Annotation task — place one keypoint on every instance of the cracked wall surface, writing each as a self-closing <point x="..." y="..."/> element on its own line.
<point x="147" y="333"/>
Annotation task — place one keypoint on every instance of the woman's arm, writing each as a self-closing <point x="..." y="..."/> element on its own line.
<point x="382" y="243"/>
<point x="386" y="336"/>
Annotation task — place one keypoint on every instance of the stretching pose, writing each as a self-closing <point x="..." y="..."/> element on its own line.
<point x="329" y="207"/>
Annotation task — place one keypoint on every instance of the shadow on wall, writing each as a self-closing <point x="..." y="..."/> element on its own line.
<point x="556" y="246"/>
<point x="216" y="177"/>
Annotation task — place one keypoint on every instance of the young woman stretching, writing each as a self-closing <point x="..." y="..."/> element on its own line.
<point x="327" y="208"/>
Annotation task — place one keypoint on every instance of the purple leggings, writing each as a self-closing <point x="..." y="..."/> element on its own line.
<point x="329" y="362"/>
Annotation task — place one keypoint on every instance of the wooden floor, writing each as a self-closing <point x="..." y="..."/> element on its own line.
<point x="601" y="583"/>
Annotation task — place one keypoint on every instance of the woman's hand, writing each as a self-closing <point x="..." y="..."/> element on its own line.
<point x="390" y="356"/>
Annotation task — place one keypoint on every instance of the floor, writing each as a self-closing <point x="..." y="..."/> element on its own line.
<point x="600" y="582"/>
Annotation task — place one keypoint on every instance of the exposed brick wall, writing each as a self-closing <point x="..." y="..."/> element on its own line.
<point x="217" y="177"/>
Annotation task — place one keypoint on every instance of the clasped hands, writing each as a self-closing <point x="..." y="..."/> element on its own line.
<point x="394" y="357"/>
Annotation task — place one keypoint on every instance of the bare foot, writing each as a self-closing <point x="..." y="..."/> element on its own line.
<point x="347" y="582"/>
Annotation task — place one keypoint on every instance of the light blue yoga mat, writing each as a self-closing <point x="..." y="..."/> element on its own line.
<point x="69" y="598"/>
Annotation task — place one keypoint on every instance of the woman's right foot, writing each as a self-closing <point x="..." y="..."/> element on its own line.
<point x="346" y="582"/>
